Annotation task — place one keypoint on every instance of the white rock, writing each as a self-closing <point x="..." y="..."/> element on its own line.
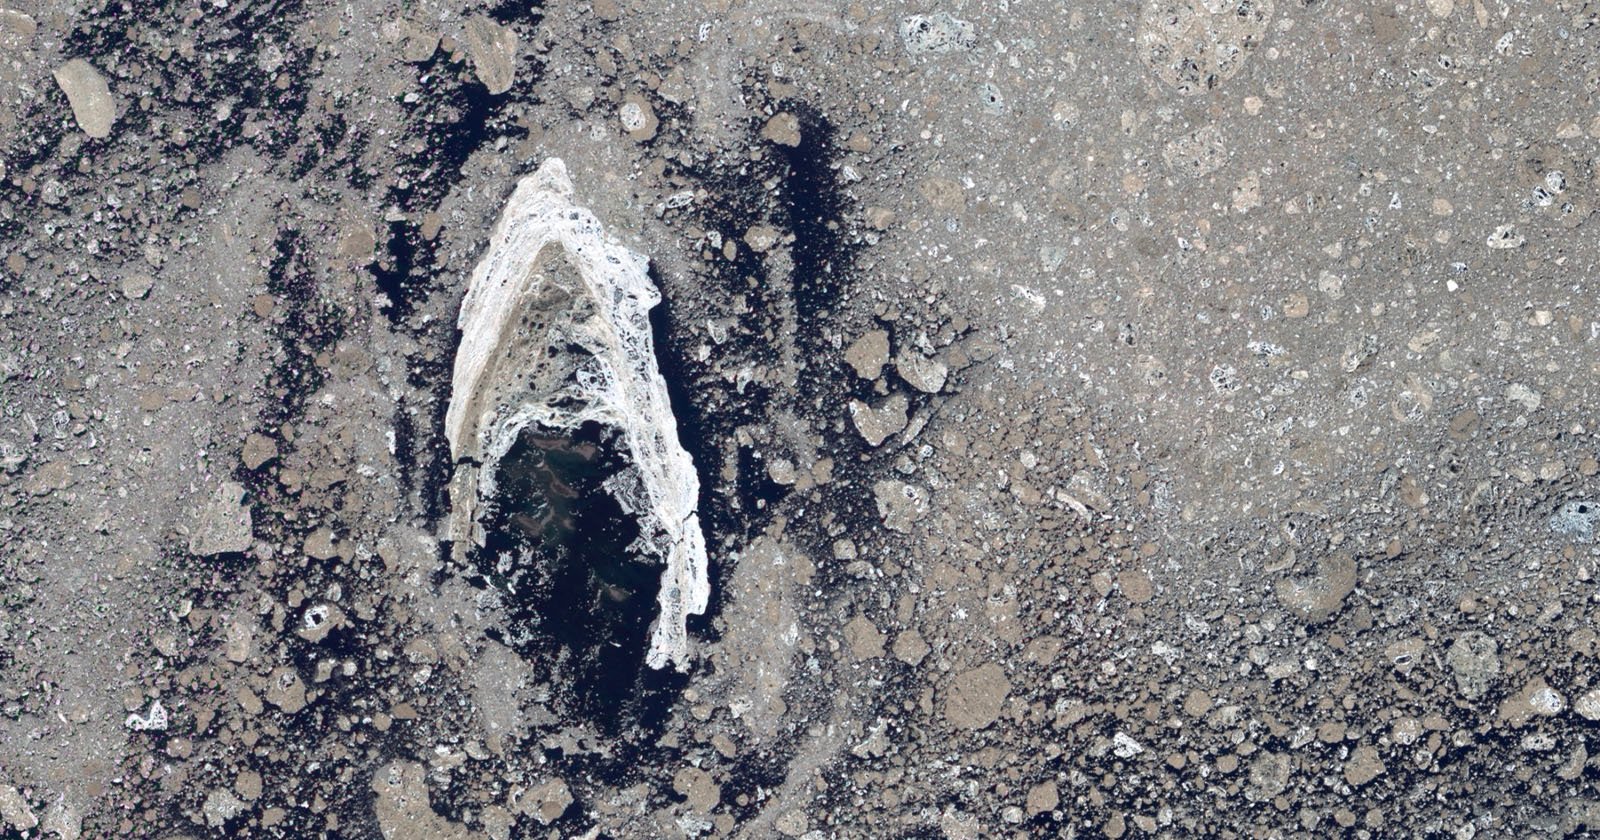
<point x="1588" y="705"/>
<point x="497" y="389"/>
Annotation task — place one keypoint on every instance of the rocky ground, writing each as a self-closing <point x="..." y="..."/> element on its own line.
<point x="1171" y="418"/>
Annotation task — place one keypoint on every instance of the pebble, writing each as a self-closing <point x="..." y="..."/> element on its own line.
<point x="920" y="372"/>
<point x="939" y="32"/>
<point x="493" y="50"/>
<point x="638" y="118"/>
<point x="90" y="97"/>
<point x="225" y="526"/>
<point x="975" y="697"/>
<point x="1474" y="661"/>
<point x="258" y="450"/>
<point x="1317" y="599"/>
<point x="1588" y="705"/>
<point x="910" y="648"/>
<point x="14" y="809"/>
<point x="877" y="423"/>
<point x="1043" y="798"/>
<point x="783" y="128"/>
<point x="136" y="286"/>
<point x="1364" y="765"/>
<point x="867" y="354"/>
<point x="863" y="638"/>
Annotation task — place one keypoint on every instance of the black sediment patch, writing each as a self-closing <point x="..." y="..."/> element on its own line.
<point x="559" y="549"/>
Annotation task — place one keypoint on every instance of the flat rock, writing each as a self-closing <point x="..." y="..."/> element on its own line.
<point x="1316" y="599"/>
<point x="877" y="423"/>
<point x="493" y="50"/>
<point x="869" y="353"/>
<point x="258" y="450"/>
<point x="402" y="807"/>
<point x="225" y="524"/>
<point x="863" y="638"/>
<point x="920" y="372"/>
<point x="89" y="95"/>
<point x="1474" y="661"/>
<point x="975" y="697"/>
<point x="899" y="504"/>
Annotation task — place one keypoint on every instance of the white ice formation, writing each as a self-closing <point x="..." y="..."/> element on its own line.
<point x="555" y="332"/>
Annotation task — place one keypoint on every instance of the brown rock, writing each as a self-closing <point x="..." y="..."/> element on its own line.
<point x="1043" y="797"/>
<point x="869" y="353"/>
<point x="863" y="638"/>
<point x="1318" y="598"/>
<point x="910" y="648"/>
<point x="258" y="449"/>
<point x="1364" y="765"/>
<point x="89" y="96"/>
<point x="975" y="698"/>
<point x="493" y="50"/>
<point x="783" y="129"/>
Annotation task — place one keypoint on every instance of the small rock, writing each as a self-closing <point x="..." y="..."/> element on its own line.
<point x="221" y="806"/>
<point x="1577" y="521"/>
<point x="899" y="504"/>
<point x="493" y="50"/>
<point x="1536" y="699"/>
<point x="50" y="478"/>
<point x="1043" y="798"/>
<point x="89" y="96"/>
<point x="863" y="638"/>
<point x="1524" y="396"/>
<point x="547" y="802"/>
<point x="868" y="354"/>
<point x="761" y="238"/>
<point x="236" y="648"/>
<point x="783" y="128"/>
<point x="248" y="785"/>
<point x="1474" y="660"/>
<point x="910" y="648"/>
<point x="922" y="373"/>
<point x="136" y="286"/>
<point x="225" y="525"/>
<point x="638" y="118"/>
<point x="1317" y="599"/>
<point x="258" y="450"/>
<point x="1588" y="704"/>
<point x="154" y="720"/>
<point x="975" y="697"/>
<point x="14" y="809"/>
<point x="1364" y="765"/>
<point x="936" y="33"/>
<point x="17" y="28"/>
<point x="319" y="545"/>
<point x="63" y="820"/>
<point x="419" y="42"/>
<point x="697" y="787"/>
<point x="286" y="690"/>
<point x="1124" y="746"/>
<point x="1135" y="586"/>
<point x="877" y="423"/>
<point x="1504" y="237"/>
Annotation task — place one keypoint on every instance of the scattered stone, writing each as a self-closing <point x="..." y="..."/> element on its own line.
<point x="761" y="238"/>
<point x="155" y="720"/>
<point x="936" y="33"/>
<point x="920" y="372"/>
<point x="225" y="526"/>
<point x="1043" y="798"/>
<point x="220" y="807"/>
<point x="696" y="786"/>
<point x="1364" y="765"/>
<point x="1194" y="45"/>
<point x="286" y="690"/>
<point x="545" y="803"/>
<point x="1473" y="658"/>
<point x="1588" y="705"/>
<point x="863" y="638"/>
<point x="90" y="97"/>
<point x="402" y="806"/>
<point x="1504" y="238"/>
<point x="877" y="423"/>
<point x="783" y="128"/>
<point x="1524" y="396"/>
<point x="868" y="354"/>
<point x="899" y="504"/>
<point x="136" y="286"/>
<point x="14" y="809"/>
<point x="1577" y="521"/>
<point x="319" y="545"/>
<point x="910" y="648"/>
<point x="1536" y="699"/>
<point x="1317" y="599"/>
<point x="638" y="118"/>
<point x="975" y="698"/>
<point x="1135" y="585"/>
<point x="258" y="450"/>
<point x="493" y="50"/>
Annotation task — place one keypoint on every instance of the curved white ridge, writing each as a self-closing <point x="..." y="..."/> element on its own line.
<point x="620" y="386"/>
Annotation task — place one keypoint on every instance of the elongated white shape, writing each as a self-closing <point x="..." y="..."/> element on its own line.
<point x="555" y="332"/>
